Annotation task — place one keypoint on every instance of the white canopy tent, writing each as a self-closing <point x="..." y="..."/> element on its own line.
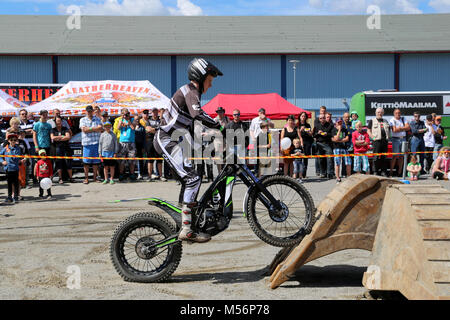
<point x="110" y="95"/>
<point x="10" y="106"/>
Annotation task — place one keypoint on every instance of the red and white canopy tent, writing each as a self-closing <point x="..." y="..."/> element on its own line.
<point x="110" y="95"/>
<point x="276" y="107"/>
<point x="10" y="106"/>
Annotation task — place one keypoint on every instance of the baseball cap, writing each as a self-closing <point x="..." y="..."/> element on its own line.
<point x="354" y="112"/>
<point x="107" y="123"/>
<point x="262" y="110"/>
<point x="42" y="112"/>
<point x="42" y="151"/>
<point x="220" y="109"/>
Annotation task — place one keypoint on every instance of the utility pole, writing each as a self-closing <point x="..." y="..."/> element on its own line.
<point x="294" y="66"/>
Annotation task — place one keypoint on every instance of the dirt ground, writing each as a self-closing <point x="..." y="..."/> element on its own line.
<point x="40" y="239"/>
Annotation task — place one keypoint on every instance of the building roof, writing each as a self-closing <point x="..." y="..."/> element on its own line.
<point x="156" y="35"/>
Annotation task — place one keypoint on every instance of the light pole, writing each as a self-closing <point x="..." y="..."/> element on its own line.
<point x="294" y="66"/>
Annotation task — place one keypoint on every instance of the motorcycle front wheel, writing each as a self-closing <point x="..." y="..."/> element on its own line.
<point x="285" y="227"/>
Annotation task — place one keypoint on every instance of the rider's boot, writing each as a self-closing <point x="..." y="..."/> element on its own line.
<point x="186" y="232"/>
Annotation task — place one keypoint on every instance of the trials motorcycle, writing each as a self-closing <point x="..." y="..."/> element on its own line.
<point x="280" y="211"/>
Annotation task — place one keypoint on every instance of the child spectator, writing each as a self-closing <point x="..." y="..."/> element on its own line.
<point x="297" y="150"/>
<point x="12" y="167"/>
<point x="108" y="147"/>
<point x="354" y="120"/>
<point x="263" y="141"/>
<point x="413" y="168"/>
<point x="25" y="150"/>
<point x="361" y="144"/>
<point x="441" y="168"/>
<point x="340" y="137"/>
<point x="43" y="169"/>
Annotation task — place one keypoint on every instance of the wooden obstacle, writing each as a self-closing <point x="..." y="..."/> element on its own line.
<point x="346" y="219"/>
<point x="411" y="253"/>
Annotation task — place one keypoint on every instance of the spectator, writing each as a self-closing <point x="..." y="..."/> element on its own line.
<point x="91" y="129"/>
<point x="291" y="132"/>
<point x="322" y="134"/>
<point x="41" y="133"/>
<point x="329" y="119"/>
<point x="413" y="168"/>
<point x="27" y="126"/>
<point x="221" y="117"/>
<point x="439" y="136"/>
<point x="108" y="147"/>
<point x="379" y="131"/>
<point x="151" y="124"/>
<point x="44" y="169"/>
<point x="127" y="141"/>
<point x="355" y="117"/>
<point x="429" y="142"/>
<point x="118" y="120"/>
<point x="399" y="128"/>
<point x="11" y="165"/>
<point x="347" y="125"/>
<point x="25" y="150"/>
<point x="14" y="128"/>
<point x="297" y="150"/>
<point x="239" y="129"/>
<point x="218" y="143"/>
<point x="263" y="141"/>
<point x="57" y="114"/>
<point x="418" y="130"/>
<point x="140" y="140"/>
<point x="104" y="117"/>
<point x="340" y="137"/>
<point x="98" y="112"/>
<point x="255" y="125"/>
<point x="315" y="149"/>
<point x="361" y="143"/>
<point x="306" y="140"/>
<point x="255" y="130"/>
<point x="441" y="168"/>
<point x="60" y="137"/>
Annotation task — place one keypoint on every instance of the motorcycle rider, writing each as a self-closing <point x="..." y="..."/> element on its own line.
<point x="183" y="110"/>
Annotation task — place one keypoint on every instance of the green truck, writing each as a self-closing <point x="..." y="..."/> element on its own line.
<point x="426" y="102"/>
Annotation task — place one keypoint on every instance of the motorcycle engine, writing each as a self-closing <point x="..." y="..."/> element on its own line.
<point x="215" y="222"/>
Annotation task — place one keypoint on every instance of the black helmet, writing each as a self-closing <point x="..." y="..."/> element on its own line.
<point x="199" y="68"/>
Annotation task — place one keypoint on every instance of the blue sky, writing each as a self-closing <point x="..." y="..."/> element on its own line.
<point x="223" y="7"/>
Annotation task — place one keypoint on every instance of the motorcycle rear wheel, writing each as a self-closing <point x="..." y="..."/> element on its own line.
<point x="132" y="252"/>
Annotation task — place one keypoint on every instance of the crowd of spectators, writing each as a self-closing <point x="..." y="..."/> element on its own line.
<point x="130" y="136"/>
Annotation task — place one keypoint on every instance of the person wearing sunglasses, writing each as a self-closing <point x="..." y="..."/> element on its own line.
<point x="11" y="166"/>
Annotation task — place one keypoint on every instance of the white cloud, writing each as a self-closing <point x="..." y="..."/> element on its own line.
<point x="135" y="8"/>
<point x="360" y="6"/>
<point x="440" y="5"/>
<point x="186" y="8"/>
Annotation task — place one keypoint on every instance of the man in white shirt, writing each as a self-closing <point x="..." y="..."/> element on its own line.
<point x="399" y="128"/>
<point x="428" y="137"/>
<point x="255" y="130"/>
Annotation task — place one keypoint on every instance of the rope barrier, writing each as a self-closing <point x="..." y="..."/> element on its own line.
<point x="217" y="158"/>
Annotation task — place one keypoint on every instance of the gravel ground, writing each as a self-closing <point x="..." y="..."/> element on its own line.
<point x="40" y="239"/>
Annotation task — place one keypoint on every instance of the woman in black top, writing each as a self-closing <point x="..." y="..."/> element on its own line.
<point x="291" y="132"/>
<point x="306" y="138"/>
<point x="60" y="137"/>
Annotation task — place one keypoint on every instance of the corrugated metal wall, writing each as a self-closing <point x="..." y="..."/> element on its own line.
<point x="425" y="72"/>
<point x="326" y="79"/>
<point x="88" y="68"/>
<point x="242" y="74"/>
<point x="25" y="69"/>
<point x="321" y="79"/>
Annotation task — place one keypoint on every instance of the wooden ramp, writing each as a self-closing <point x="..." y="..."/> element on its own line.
<point x="411" y="253"/>
<point x="346" y="219"/>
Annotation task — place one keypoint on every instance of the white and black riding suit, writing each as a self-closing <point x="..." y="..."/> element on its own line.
<point x="183" y="111"/>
